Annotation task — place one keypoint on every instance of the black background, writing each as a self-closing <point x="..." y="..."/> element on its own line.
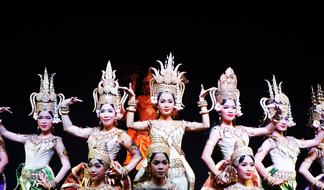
<point x="78" y="48"/>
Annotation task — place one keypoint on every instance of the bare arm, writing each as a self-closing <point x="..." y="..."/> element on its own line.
<point x="131" y="111"/>
<point x="304" y="167"/>
<point x="260" y="155"/>
<point x="3" y="159"/>
<point x="67" y="123"/>
<point x="12" y="136"/>
<point x="132" y="148"/>
<point x="196" y="126"/>
<point x="208" y="151"/>
<point x="311" y="142"/>
<point x="260" y="131"/>
<point x="61" y="151"/>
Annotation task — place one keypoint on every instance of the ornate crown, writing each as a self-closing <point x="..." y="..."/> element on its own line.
<point x="168" y="80"/>
<point x="46" y="99"/>
<point x="108" y="91"/>
<point x="317" y="109"/>
<point x="277" y="98"/>
<point x="99" y="151"/>
<point x="227" y="89"/>
<point x="157" y="146"/>
<point x="240" y="151"/>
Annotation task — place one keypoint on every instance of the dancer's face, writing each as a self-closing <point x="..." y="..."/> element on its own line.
<point x="45" y="121"/>
<point x="166" y="103"/>
<point x="228" y="110"/>
<point x="159" y="165"/>
<point x="107" y="115"/>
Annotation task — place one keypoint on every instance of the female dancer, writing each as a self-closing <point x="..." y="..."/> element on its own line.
<point x="242" y="160"/>
<point x="226" y="134"/>
<point x="109" y="107"/>
<point x="283" y="149"/>
<point x="158" y="155"/>
<point x="315" y="153"/>
<point x="3" y="155"/>
<point x="167" y="88"/>
<point x="145" y="111"/>
<point x="39" y="148"/>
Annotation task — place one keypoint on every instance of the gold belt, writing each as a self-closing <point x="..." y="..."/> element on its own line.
<point x="30" y="174"/>
<point x="176" y="163"/>
<point x="280" y="174"/>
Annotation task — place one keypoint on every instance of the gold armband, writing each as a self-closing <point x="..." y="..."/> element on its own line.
<point x="64" y="110"/>
<point x="131" y="109"/>
<point x="64" y="153"/>
<point x="203" y="112"/>
<point x="132" y="103"/>
<point x="202" y="103"/>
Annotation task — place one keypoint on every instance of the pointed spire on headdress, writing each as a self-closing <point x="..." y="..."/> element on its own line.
<point x="108" y="92"/>
<point x="168" y="79"/>
<point x="46" y="99"/>
<point x="276" y="98"/>
<point x="227" y="89"/>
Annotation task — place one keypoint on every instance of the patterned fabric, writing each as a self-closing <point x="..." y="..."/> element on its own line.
<point x="238" y="186"/>
<point x="148" y="185"/>
<point x="28" y="178"/>
<point x="171" y="132"/>
<point x="226" y="143"/>
<point x="110" y="141"/>
<point x="79" y="179"/>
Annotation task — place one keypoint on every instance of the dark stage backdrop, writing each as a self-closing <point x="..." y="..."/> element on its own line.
<point x="78" y="48"/>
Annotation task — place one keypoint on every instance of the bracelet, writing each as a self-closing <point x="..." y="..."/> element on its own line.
<point x="202" y="103"/>
<point x="204" y="112"/>
<point x="64" y="110"/>
<point x="132" y="103"/>
<point x="131" y="109"/>
<point x="52" y="184"/>
<point x="314" y="184"/>
<point x="124" y="172"/>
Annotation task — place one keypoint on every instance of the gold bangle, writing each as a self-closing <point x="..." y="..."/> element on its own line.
<point x="202" y="103"/>
<point x="64" y="110"/>
<point x="131" y="109"/>
<point x="132" y="103"/>
<point x="204" y="112"/>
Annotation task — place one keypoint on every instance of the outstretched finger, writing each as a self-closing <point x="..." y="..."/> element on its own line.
<point x="8" y="109"/>
<point x="202" y="86"/>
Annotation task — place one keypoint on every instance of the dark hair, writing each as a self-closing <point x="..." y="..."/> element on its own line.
<point x="224" y="101"/>
<point x="50" y="112"/>
<point x="243" y="157"/>
<point x="112" y="105"/>
<point x="173" y="97"/>
<point x="154" y="154"/>
<point x="160" y="93"/>
<point x="99" y="160"/>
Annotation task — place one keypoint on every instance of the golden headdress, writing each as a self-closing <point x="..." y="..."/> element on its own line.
<point x="46" y="99"/>
<point x="238" y="152"/>
<point x="99" y="151"/>
<point x="108" y="91"/>
<point x="157" y="146"/>
<point x="317" y="109"/>
<point x="277" y="98"/>
<point x="168" y="80"/>
<point x="227" y="89"/>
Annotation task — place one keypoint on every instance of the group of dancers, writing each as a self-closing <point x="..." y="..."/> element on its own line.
<point x="153" y="143"/>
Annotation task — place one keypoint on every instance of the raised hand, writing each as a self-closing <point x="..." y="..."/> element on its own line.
<point x="43" y="181"/>
<point x="70" y="101"/>
<point x="3" y="109"/>
<point x="203" y="92"/>
<point x="129" y="91"/>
